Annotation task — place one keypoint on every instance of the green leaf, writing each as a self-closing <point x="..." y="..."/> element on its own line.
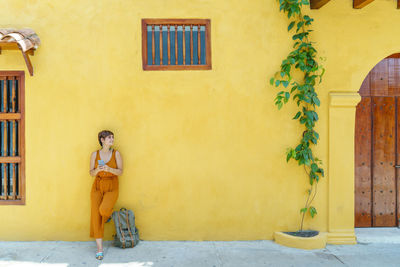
<point x="313" y="211"/>
<point x="316" y="100"/>
<point x="288" y="156"/>
<point x="285" y="83"/>
<point x="271" y="81"/>
<point x="303" y="210"/>
<point x="314" y="167"/>
<point x="277" y="82"/>
<point x="291" y="25"/>
<point x="299" y="25"/>
<point x="297" y="115"/>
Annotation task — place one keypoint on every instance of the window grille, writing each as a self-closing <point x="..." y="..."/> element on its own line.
<point x="12" y="141"/>
<point x="176" y="44"/>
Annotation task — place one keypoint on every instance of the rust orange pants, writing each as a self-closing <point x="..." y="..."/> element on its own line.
<point x="103" y="196"/>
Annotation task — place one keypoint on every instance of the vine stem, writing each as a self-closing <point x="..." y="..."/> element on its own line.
<point x="306" y="205"/>
<point x="304" y="212"/>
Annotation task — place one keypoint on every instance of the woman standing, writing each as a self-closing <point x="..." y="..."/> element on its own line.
<point x="106" y="166"/>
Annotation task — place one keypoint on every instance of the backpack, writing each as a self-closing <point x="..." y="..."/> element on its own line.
<point x="127" y="235"/>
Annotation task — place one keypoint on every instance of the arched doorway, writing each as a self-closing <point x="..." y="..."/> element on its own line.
<point x="377" y="147"/>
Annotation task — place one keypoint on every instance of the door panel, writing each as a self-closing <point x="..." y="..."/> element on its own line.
<point x="379" y="79"/>
<point x="394" y="76"/>
<point x="397" y="170"/>
<point x="383" y="161"/>
<point x="377" y="147"/>
<point x="363" y="164"/>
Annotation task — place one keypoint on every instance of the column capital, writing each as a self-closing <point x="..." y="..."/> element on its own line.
<point x="344" y="99"/>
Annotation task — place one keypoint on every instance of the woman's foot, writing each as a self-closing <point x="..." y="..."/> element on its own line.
<point x="100" y="255"/>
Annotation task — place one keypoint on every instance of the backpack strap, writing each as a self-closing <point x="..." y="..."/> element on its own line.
<point x="129" y="228"/>
<point x="122" y="232"/>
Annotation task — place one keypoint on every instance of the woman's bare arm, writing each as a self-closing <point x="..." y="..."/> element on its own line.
<point x="92" y="170"/>
<point x="118" y="170"/>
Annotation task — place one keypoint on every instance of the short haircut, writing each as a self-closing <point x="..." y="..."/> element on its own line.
<point x="104" y="134"/>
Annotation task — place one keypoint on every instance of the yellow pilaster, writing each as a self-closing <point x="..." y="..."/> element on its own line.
<point x="342" y="108"/>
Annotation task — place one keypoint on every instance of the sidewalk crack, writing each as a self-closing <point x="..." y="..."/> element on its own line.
<point x="48" y="254"/>
<point x="336" y="257"/>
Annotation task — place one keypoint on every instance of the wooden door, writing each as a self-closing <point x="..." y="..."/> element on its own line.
<point x="377" y="153"/>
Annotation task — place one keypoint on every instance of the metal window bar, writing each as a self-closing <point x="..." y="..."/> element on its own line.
<point x="176" y="44"/>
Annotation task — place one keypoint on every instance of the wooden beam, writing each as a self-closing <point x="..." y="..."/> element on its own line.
<point x="317" y="4"/>
<point x="15" y="46"/>
<point x="28" y="62"/>
<point x="398" y="4"/>
<point x="361" y="3"/>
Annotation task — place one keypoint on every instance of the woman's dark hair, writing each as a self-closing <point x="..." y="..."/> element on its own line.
<point x="104" y="134"/>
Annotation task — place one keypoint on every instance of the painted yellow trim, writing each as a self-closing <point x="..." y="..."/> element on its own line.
<point x="315" y="242"/>
<point x="341" y="167"/>
<point x="344" y="99"/>
<point x="342" y="238"/>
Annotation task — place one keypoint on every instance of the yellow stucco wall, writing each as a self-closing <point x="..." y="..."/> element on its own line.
<point x="204" y="151"/>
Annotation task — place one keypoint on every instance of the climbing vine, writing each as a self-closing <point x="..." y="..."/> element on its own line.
<point x="302" y="92"/>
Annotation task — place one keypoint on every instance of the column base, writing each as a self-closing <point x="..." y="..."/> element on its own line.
<point x="342" y="238"/>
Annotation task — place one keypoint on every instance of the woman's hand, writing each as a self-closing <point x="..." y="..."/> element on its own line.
<point x="97" y="170"/>
<point x="105" y="168"/>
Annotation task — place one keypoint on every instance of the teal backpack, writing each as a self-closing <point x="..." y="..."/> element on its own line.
<point x="127" y="235"/>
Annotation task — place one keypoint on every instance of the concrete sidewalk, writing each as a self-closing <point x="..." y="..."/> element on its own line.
<point x="193" y="254"/>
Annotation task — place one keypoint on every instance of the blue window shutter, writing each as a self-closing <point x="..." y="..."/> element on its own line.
<point x="187" y="45"/>
<point x="203" y="45"/>
<point x="157" y="44"/>
<point x="149" y="46"/>
<point x="195" y="46"/>
<point x="180" y="45"/>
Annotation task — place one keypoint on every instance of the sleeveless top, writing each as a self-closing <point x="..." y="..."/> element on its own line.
<point x="112" y="163"/>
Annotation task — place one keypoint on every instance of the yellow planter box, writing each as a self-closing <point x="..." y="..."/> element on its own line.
<point x="315" y="242"/>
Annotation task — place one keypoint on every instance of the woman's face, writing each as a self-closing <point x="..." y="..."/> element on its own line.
<point x="109" y="140"/>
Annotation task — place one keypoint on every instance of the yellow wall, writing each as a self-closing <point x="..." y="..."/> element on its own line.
<point x="204" y="151"/>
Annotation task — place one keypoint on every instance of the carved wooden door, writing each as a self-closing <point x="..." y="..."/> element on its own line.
<point x="377" y="151"/>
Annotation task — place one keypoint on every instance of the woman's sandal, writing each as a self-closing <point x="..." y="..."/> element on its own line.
<point x="99" y="255"/>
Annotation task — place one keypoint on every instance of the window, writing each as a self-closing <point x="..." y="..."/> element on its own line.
<point x="176" y="44"/>
<point x="12" y="137"/>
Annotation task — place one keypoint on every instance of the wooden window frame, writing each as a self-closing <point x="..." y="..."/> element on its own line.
<point x="21" y="140"/>
<point x="179" y="22"/>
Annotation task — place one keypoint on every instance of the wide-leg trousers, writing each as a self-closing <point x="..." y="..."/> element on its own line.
<point x="103" y="196"/>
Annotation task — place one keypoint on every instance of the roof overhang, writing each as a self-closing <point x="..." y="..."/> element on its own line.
<point x="357" y="4"/>
<point x="25" y="40"/>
